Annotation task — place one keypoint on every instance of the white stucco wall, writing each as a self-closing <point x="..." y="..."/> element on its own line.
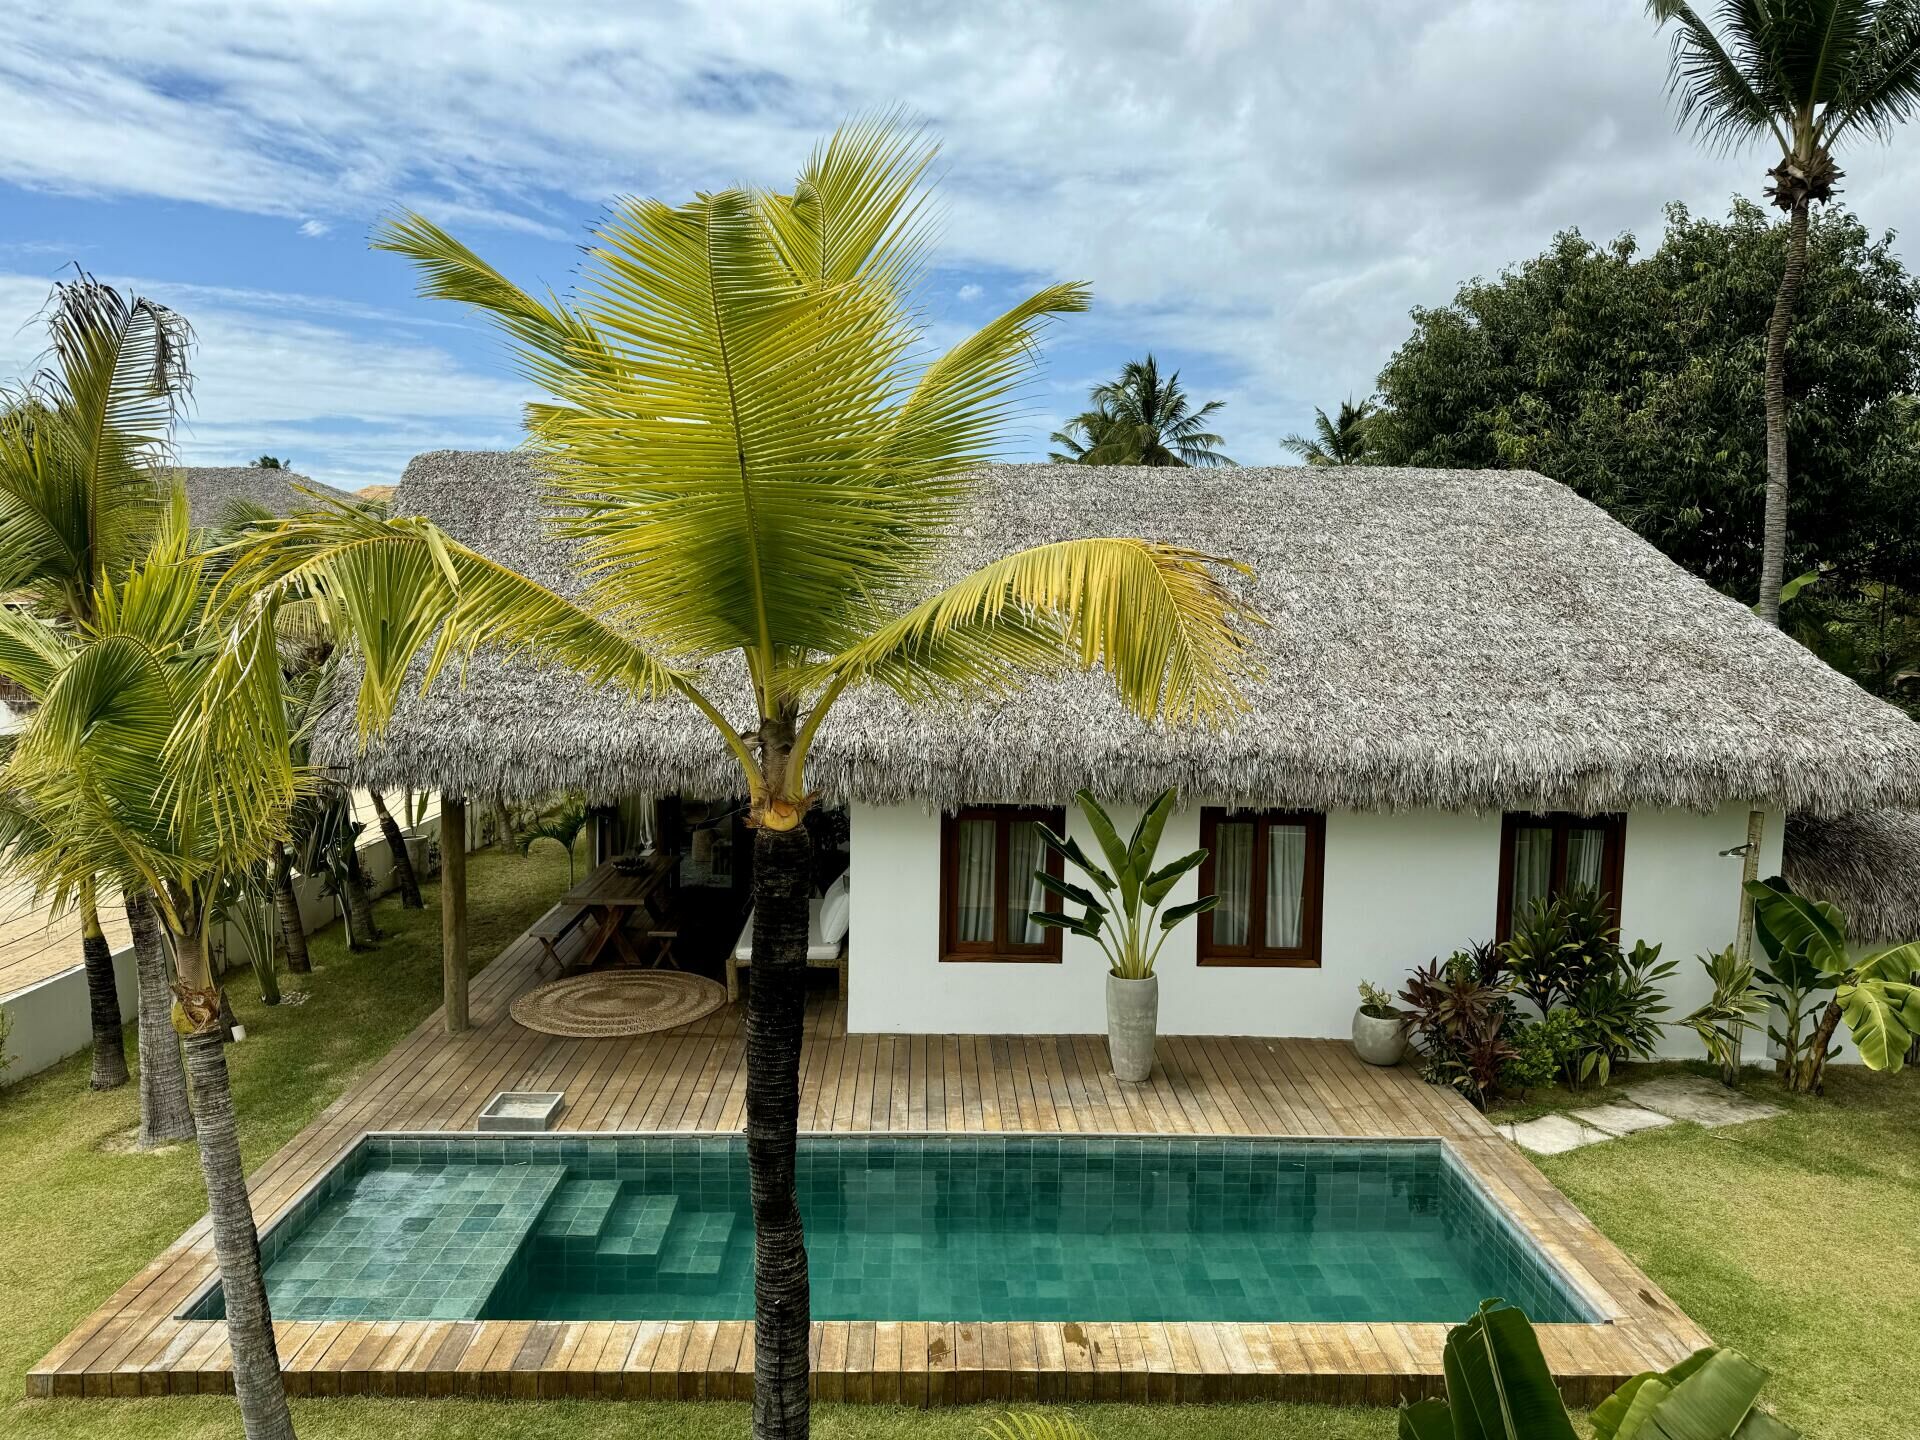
<point x="1399" y="889"/>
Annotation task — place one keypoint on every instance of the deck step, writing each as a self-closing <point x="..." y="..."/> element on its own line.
<point x="578" y="1211"/>
<point x="637" y="1227"/>
<point x="697" y="1244"/>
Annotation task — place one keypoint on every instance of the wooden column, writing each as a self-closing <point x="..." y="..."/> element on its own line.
<point x="453" y="910"/>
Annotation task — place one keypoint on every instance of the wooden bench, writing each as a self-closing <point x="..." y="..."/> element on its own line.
<point x="553" y="927"/>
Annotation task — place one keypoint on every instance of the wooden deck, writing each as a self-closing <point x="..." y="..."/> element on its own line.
<point x="693" y="1080"/>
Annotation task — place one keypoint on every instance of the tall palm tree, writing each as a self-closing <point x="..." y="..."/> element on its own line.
<point x="1343" y="440"/>
<point x="81" y="448"/>
<point x="760" y="481"/>
<point x="1141" y="419"/>
<point x="146" y="777"/>
<point x="1810" y="74"/>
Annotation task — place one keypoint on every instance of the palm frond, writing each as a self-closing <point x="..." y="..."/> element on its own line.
<point x="1882" y="87"/>
<point x="82" y="445"/>
<point x="395" y="588"/>
<point x="1159" y="619"/>
<point x="857" y="211"/>
<point x="1726" y="99"/>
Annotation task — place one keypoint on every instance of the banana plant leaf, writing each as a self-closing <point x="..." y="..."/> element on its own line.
<point x="1119" y="856"/>
<point x="1069" y="850"/>
<point x="1161" y="882"/>
<point x="1498" y="1384"/>
<point x="1146" y="835"/>
<point x="1787" y="923"/>
<point x="1883" y="1017"/>
<point x="1711" y="1395"/>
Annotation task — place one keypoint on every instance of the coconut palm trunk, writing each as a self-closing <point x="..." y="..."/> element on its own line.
<point x="403" y="876"/>
<point x="236" y="1243"/>
<point x="353" y="885"/>
<point x="286" y="904"/>
<point x="103" y="997"/>
<point x="776" y="1002"/>
<point x="165" y="1114"/>
<point x="1773" y="542"/>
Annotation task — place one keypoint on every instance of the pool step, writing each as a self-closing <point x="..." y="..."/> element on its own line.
<point x="697" y="1244"/>
<point x="578" y="1212"/>
<point x="637" y="1227"/>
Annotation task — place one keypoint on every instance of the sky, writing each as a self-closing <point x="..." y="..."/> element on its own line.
<point x="1257" y="192"/>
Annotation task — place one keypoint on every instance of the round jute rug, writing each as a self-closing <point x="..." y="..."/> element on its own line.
<point x="618" y="1002"/>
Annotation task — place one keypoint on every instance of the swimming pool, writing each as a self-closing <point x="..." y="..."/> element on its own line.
<point x="983" y="1228"/>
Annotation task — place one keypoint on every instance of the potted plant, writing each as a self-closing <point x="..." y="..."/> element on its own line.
<point x="1379" y="1028"/>
<point x="1125" y="919"/>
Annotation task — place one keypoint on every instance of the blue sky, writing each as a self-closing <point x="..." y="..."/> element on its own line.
<point x="1257" y="193"/>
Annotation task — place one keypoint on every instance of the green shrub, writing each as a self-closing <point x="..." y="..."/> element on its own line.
<point x="1545" y="1052"/>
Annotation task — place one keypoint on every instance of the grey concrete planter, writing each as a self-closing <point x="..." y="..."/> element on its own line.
<point x="1379" y="1042"/>
<point x="1133" y="1019"/>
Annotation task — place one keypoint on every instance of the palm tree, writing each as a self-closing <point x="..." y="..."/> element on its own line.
<point x="403" y="877"/>
<point x="144" y="775"/>
<point x="81" y="446"/>
<point x="1810" y="73"/>
<point x="760" y="481"/>
<point x="562" y="825"/>
<point x="1141" y="420"/>
<point x="1341" y="441"/>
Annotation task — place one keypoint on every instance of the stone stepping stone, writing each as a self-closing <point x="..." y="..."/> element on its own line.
<point x="1704" y="1102"/>
<point x="1622" y="1119"/>
<point x="1553" y="1134"/>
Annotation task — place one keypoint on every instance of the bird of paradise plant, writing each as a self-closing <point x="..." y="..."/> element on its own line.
<point x="756" y="468"/>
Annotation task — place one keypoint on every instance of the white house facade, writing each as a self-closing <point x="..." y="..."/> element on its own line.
<point x="1397" y="889"/>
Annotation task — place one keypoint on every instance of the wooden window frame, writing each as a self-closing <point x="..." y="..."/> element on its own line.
<point x="1305" y="955"/>
<point x="998" y="950"/>
<point x="1613" y="856"/>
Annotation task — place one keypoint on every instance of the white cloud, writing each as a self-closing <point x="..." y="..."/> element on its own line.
<point x="1274" y="186"/>
<point x="314" y="229"/>
<point x="349" y="405"/>
<point x="967" y="294"/>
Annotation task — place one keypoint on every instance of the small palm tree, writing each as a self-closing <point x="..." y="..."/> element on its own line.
<point x="142" y="775"/>
<point x="1341" y="441"/>
<point x="761" y="483"/>
<point x="562" y="825"/>
<point x="1141" y="419"/>
<point x="82" y="446"/>
<point x="1808" y="73"/>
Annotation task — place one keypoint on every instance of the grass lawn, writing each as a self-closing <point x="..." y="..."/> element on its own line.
<point x="1795" y="1240"/>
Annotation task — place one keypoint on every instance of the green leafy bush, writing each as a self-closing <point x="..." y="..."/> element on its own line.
<point x="1545" y="1052"/>
<point x="1560" y="945"/>
<point x="1615" y="1013"/>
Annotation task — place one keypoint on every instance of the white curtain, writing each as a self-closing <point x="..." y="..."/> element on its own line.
<point x="1532" y="865"/>
<point x="1232" y="880"/>
<point x="1026" y="853"/>
<point x="1586" y="850"/>
<point x="1286" y="884"/>
<point x="974" y="903"/>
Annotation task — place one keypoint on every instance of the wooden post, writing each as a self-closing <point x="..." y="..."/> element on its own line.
<point x="453" y="910"/>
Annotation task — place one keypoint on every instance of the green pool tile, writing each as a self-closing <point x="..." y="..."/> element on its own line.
<point x="986" y="1228"/>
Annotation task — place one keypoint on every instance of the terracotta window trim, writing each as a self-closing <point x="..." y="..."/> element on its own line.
<point x="1256" y="953"/>
<point x="1612" y="858"/>
<point x="999" y="950"/>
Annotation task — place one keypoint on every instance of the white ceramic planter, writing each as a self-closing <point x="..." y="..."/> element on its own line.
<point x="1379" y="1042"/>
<point x="1133" y="1019"/>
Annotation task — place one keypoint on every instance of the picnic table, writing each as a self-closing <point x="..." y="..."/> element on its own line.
<point x="612" y="896"/>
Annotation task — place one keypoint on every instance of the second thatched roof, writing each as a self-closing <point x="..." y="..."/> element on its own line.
<point x="1867" y="863"/>
<point x="211" y="487"/>
<point x="1454" y="639"/>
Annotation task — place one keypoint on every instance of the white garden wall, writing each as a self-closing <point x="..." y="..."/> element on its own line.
<point x="1399" y="889"/>
<point x="51" y="1021"/>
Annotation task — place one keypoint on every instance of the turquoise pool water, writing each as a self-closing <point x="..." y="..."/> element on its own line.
<point x="938" y="1228"/>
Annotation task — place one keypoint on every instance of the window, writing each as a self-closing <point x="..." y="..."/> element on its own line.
<point x="1545" y="855"/>
<point x="1265" y="865"/>
<point x="988" y="854"/>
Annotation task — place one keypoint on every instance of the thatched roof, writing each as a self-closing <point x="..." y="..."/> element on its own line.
<point x="1867" y="863"/>
<point x="210" y="487"/>
<point x="1458" y="639"/>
